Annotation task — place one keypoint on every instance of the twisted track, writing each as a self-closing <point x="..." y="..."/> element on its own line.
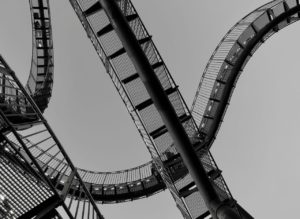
<point x="24" y="126"/>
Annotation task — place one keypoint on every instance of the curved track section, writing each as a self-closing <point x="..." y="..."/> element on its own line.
<point x="40" y="80"/>
<point x="231" y="56"/>
<point x="113" y="187"/>
<point x="18" y="153"/>
<point x="107" y="187"/>
<point x="117" y="186"/>
<point x="213" y="93"/>
<point x="37" y="145"/>
<point x="141" y="108"/>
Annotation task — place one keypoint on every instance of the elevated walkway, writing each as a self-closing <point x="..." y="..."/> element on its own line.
<point x="17" y="147"/>
<point x="30" y="144"/>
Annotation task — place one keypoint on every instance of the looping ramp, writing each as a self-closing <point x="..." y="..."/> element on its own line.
<point x="20" y="154"/>
<point x="28" y="144"/>
<point x="40" y="79"/>
<point x="140" y="106"/>
<point x="231" y="56"/>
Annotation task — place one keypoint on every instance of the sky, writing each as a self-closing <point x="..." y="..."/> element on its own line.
<point x="258" y="144"/>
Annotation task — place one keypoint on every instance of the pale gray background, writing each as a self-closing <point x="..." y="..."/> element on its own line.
<point x="258" y="144"/>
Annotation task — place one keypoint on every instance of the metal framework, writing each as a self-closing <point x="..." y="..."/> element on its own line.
<point x="16" y="143"/>
<point x="140" y="106"/>
<point x="40" y="79"/>
<point x="31" y="153"/>
<point x="231" y="56"/>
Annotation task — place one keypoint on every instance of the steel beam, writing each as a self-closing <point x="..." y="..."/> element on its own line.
<point x="183" y="145"/>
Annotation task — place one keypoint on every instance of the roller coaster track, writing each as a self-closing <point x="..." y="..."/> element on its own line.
<point x="231" y="56"/>
<point x="40" y="79"/>
<point x="29" y="144"/>
<point x="28" y="189"/>
<point x="141" y="108"/>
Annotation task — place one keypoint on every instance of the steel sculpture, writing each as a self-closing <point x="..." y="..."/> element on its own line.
<point x="178" y="139"/>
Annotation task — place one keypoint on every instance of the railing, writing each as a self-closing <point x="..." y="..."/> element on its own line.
<point x="134" y="94"/>
<point x="39" y="134"/>
<point x="209" y="105"/>
<point x="40" y="80"/>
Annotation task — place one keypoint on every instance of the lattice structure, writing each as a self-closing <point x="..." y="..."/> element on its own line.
<point x="23" y="129"/>
<point x="37" y="176"/>
<point x="40" y="80"/>
<point x="230" y="57"/>
<point x="22" y="191"/>
<point x="139" y="104"/>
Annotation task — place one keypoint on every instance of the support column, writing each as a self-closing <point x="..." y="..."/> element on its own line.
<point x="183" y="145"/>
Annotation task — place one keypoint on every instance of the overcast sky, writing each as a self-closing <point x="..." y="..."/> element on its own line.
<point x="258" y="144"/>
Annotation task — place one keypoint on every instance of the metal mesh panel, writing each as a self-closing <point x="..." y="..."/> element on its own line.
<point x="137" y="91"/>
<point x="100" y="179"/>
<point x="123" y="66"/>
<point x="236" y="32"/>
<point x="177" y="103"/>
<point x="223" y="49"/>
<point x="30" y="136"/>
<point x="165" y="141"/>
<point x="221" y="189"/>
<point x="85" y="4"/>
<point x="151" y="118"/>
<point x="133" y="175"/>
<point x="189" y="127"/>
<point x="22" y="191"/>
<point x="111" y="42"/>
<point x="163" y="77"/>
<point x="195" y="204"/>
<point x="150" y="52"/>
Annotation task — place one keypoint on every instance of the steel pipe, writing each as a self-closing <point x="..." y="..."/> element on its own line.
<point x="166" y="111"/>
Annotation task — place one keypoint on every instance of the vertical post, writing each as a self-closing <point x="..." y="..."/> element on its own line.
<point x="3" y="87"/>
<point x="183" y="145"/>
